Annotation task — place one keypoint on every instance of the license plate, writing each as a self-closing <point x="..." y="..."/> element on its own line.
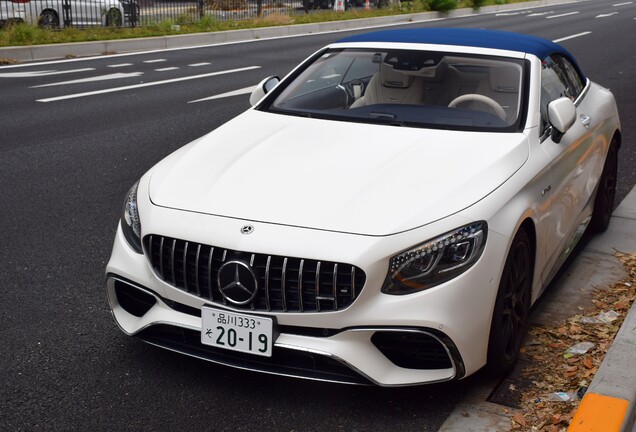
<point x="237" y="332"/>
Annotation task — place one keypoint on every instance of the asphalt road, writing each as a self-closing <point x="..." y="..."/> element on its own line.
<point x="68" y="153"/>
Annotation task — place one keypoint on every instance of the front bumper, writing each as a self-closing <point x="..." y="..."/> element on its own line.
<point x="436" y="335"/>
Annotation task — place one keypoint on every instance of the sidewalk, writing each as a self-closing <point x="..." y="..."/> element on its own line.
<point x="83" y="49"/>
<point x="609" y="404"/>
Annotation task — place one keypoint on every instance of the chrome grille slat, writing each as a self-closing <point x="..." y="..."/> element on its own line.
<point x="173" y="261"/>
<point x="196" y="271"/>
<point x="300" y="285"/>
<point x="335" y="286"/>
<point x="287" y="284"/>
<point x="282" y="285"/>
<point x="161" y="271"/>
<point x="185" y="264"/>
<point x="267" y="294"/>
<point x="317" y="284"/>
<point x="210" y="276"/>
<point x="353" y="283"/>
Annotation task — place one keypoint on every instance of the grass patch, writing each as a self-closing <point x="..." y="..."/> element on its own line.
<point x="23" y="34"/>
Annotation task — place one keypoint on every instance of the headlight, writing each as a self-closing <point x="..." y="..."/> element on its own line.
<point x="436" y="261"/>
<point x="130" y="223"/>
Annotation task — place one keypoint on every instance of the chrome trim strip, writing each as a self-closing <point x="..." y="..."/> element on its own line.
<point x="335" y="286"/>
<point x="283" y="281"/>
<point x="210" y="295"/>
<point x="353" y="283"/>
<point x="163" y="275"/>
<point x="174" y="261"/>
<point x="185" y="267"/>
<point x="317" y="282"/>
<point x="196" y="280"/>
<point x="267" y="267"/>
<point x="300" y="285"/>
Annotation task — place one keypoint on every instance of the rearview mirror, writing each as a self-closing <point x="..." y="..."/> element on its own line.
<point x="263" y="88"/>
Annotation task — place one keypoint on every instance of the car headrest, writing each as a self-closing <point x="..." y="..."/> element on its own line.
<point x="389" y="77"/>
<point x="504" y="79"/>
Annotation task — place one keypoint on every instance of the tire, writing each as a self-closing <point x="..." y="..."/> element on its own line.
<point x="512" y="306"/>
<point x="605" y="192"/>
<point x="113" y="18"/>
<point x="49" y="19"/>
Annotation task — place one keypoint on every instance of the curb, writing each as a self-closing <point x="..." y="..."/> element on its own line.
<point x="83" y="49"/>
<point x="610" y="402"/>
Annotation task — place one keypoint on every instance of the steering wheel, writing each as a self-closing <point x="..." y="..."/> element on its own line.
<point x="473" y="97"/>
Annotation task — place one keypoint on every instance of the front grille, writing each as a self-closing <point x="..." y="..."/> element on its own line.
<point x="286" y="284"/>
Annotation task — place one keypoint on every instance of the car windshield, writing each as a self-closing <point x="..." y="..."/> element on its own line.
<point x="413" y="88"/>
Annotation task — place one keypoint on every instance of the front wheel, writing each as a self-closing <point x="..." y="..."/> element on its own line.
<point x="606" y="192"/>
<point x="512" y="306"/>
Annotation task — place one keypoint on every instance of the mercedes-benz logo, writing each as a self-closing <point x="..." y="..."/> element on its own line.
<point x="247" y="229"/>
<point x="237" y="282"/>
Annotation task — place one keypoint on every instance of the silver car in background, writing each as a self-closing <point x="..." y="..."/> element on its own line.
<point x="65" y="13"/>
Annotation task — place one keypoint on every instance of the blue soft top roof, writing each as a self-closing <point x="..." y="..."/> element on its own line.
<point x="466" y="37"/>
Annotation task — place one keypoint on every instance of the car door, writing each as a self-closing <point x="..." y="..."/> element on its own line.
<point x="573" y="159"/>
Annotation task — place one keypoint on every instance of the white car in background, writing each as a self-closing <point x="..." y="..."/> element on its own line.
<point x="79" y="13"/>
<point x="387" y="213"/>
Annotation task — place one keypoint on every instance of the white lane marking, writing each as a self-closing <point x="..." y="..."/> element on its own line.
<point x="622" y="4"/>
<point x="93" y="79"/>
<point x="571" y="37"/>
<point x="507" y="13"/>
<point x="120" y="65"/>
<point x="166" y="69"/>
<point x="199" y="64"/>
<point x="238" y="92"/>
<point x="41" y="73"/>
<point x="155" y="61"/>
<point x="562" y="15"/>
<point x="540" y="13"/>
<point x="149" y="84"/>
<point x="606" y="15"/>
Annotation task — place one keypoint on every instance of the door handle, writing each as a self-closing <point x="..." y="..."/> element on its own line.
<point x="586" y="120"/>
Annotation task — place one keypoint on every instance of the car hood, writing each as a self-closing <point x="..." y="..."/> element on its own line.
<point x="332" y="175"/>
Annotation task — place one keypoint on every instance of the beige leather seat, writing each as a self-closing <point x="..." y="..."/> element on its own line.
<point x="392" y="86"/>
<point x="503" y="85"/>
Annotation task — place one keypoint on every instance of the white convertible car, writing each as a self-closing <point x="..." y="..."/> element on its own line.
<point x="387" y="213"/>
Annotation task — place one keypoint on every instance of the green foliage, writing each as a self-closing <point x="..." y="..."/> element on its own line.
<point x="442" y="5"/>
<point x="23" y="34"/>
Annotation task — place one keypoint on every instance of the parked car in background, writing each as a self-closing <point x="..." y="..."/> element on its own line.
<point x="12" y="11"/>
<point x="387" y="213"/>
<point x="77" y="13"/>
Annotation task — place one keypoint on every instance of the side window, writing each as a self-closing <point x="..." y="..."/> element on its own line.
<point x="575" y="83"/>
<point x="559" y="78"/>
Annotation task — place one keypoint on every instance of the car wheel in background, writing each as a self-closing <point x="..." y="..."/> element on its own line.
<point x="113" y="18"/>
<point x="49" y="19"/>
<point x="512" y="307"/>
<point x="604" y="200"/>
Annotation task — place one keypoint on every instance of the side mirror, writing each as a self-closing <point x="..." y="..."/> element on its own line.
<point x="263" y="88"/>
<point x="562" y="114"/>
